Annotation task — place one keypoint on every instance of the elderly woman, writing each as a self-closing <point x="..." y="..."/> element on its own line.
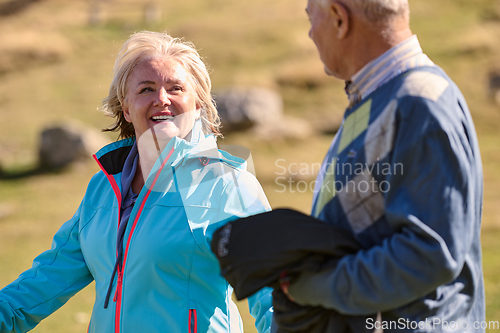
<point x="143" y="229"/>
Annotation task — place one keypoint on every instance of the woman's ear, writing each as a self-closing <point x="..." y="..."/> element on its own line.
<point x="126" y="112"/>
<point x="198" y="111"/>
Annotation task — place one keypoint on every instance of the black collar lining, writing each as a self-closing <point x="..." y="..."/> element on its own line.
<point x="114" y="161"/>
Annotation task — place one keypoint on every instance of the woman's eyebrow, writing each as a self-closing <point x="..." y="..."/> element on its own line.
<point x="174" y="81"/>
<point x="146" y="82"/>
<point x="169" y="81"/>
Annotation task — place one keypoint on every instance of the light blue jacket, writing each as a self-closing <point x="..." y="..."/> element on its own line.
<point x="169" y="280"/>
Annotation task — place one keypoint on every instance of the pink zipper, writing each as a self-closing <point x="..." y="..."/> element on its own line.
<point x="118" y="284"/>
<point x="193" y="321"/>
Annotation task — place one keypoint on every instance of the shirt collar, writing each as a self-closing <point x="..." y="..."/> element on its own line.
<point x="399" y="59"/>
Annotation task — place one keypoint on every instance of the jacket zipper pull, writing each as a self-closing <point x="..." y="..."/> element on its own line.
<point x="118" y="285"/>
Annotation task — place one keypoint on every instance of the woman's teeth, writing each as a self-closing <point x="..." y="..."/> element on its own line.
<point x="160" y="118"/>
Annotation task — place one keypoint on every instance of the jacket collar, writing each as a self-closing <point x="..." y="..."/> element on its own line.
<point x="112" y="157"/>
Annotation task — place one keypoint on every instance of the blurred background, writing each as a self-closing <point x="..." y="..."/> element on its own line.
<point x="56" y="58"/>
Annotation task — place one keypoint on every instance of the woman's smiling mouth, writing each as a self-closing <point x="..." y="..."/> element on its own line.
<point x="162" y="118"/>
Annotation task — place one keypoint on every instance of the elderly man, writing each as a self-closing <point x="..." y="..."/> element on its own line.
<point x="403" y="175"/>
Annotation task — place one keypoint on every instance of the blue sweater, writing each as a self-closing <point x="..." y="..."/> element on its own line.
<point x="404" y="175"/>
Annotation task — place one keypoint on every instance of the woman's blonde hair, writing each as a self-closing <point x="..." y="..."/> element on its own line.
<point x="149" y="45"/>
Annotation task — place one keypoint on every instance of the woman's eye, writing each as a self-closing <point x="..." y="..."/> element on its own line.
<point x="176" y="88"/>
<point x="145" y="89"/>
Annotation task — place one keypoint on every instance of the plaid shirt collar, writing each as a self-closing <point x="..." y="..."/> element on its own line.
<point x="399" y="59"/>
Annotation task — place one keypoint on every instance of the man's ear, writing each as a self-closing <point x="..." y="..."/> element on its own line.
<point x="341" y="17"/>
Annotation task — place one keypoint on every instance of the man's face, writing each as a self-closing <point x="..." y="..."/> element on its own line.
<point x="323" y="32"/>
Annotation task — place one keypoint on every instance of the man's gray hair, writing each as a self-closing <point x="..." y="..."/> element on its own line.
<point x="378" y="11"/>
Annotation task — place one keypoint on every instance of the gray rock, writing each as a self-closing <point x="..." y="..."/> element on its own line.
<point x="243" y="108"/>
<point x="6" y="210"/>
<point x="152" y="12"/>
<point x="494" y="85"/>
<point x="95" y="14"/>
<point x="288" y="127"/>
<point x="65" y="143"/>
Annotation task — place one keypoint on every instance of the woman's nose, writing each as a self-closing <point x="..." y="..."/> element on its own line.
<point x="162" y="98"/>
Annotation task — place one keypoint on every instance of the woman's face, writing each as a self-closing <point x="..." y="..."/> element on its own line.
<point x="160" y="98"/>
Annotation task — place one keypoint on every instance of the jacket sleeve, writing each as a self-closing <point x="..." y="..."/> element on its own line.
<point x="56" y="275"/>
<point x="244" y="197"/>
<point x="432" y="206"/>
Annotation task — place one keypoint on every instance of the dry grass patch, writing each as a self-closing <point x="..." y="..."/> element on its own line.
<point x="20" y="50"/>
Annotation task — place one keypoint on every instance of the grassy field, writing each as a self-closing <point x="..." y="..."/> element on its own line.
<point x="55" y="66"/>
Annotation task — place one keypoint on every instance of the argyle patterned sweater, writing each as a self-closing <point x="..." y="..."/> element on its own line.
<point x="404" y="175"/>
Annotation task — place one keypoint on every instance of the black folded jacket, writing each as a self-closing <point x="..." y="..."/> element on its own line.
<point x="255" y="250"/>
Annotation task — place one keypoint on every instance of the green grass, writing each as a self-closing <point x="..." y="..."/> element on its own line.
<point x="491" y="258"/>
<point x="245" y="43"/>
